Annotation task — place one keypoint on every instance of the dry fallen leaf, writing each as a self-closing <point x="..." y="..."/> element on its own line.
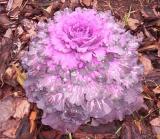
<point x="19" y="30"/>
<point x="50" y="134"/>
<point x="155" y="123"/>
<point x="138" y="124"/>
<point x="5" y="54"/>
<point x="146" y="63"/>
<point x="12" y="4"/>
<point x="147" y="93"/>
<point x="16" y="107"/>
<point x="150" y="11"/>
<point x="130" y="131"/>
<point x="10" y="132"/>
<point x="86" y="2"/>
<point x="158" y="136"/>
<point x="4" y="20"/>
<point x="17" y="3"/>
<point x="9" y="5"/>
<point x="85" y="135"/>
<point x="95" y="3"/>
<point x="6" y="109"/>
<point x="149" y="35"/>
<point x="74" y="4"/>
<point x="157" y="90"/>
<point x="10" y="72"/>
<point x="158" y="104"/>
<point x="32" y="118"/>
<point x="9" y="127"/>
<point x="21" y="76"/>
<point x="49" y="8"/>
<point x="8" y="33"/>
<point x="63" y="1"/>
<point x="12" y="107"/>
<point x="148" y="48"/>
<point x="132" y="23"/>
<point x="158" y="49"/>
<point x="29" y="26"/>
<point x="22" y="108"/>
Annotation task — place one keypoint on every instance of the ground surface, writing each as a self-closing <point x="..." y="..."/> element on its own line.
<point x="21" y="120"/>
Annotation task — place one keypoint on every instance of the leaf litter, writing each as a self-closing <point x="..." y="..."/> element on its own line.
<point x="22" y="120"/>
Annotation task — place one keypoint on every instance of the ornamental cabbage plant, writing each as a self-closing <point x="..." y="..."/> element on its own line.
<point x="82" y="66"/>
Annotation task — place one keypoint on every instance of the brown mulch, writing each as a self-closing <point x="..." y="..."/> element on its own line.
<point x="22" y="120"/>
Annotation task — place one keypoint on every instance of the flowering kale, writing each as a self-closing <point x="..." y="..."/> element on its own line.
<point x="80" y="65"/>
